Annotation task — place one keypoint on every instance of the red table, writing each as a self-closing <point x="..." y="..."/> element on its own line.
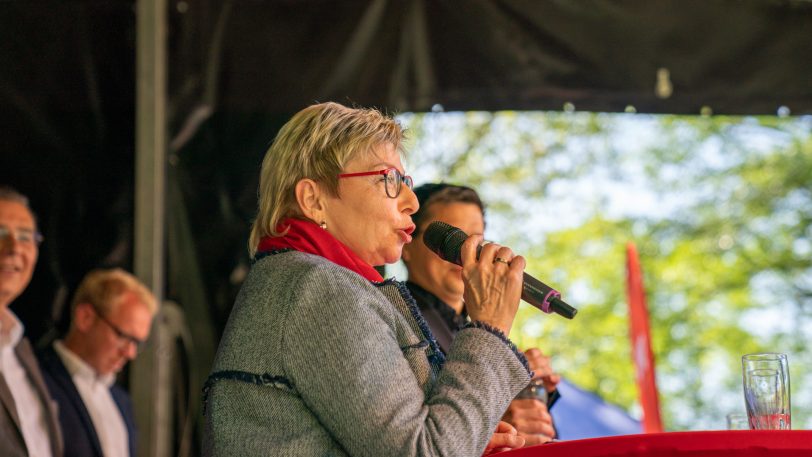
<point x="712" y="443"/>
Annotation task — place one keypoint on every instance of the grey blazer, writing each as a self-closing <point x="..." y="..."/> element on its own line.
<point x="11" y="436"/>
<point x="316" y="360"/>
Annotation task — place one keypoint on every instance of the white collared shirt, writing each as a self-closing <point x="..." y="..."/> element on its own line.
<point x="95" y="393"/>
<point x="30" y="407"/>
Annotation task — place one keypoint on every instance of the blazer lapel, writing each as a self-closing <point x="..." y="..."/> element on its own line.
<point x="8" y="403"/>
<point x="59" y="374"/>
<point x="27" y="359"/>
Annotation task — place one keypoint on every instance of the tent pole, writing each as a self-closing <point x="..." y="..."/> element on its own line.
<point x="149" y="375"/>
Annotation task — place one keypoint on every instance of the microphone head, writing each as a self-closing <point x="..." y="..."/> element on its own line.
<point x="445" y="240"/>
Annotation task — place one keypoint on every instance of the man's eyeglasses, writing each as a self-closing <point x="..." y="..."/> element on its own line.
<point x="124" y="338"/>
<point x="391" y="177"/>
<point x="25" y="237"/>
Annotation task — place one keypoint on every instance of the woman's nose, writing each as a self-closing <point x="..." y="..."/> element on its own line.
<point x="409" y="200"/>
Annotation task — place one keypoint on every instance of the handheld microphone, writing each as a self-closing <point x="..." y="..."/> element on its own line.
<point x="446" y="241"/>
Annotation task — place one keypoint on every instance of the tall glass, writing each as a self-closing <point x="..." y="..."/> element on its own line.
<point x="765" y="378"/>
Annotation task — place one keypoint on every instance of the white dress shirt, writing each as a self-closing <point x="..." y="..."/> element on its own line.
<point x="30" y="407"/>
<point x="95" y="393"/>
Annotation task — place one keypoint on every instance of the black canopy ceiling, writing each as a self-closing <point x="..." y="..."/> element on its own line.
<point x="734" y="56"/>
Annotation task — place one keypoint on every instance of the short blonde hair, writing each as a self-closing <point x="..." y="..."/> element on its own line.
<point x="104" y="290"/>
<point x="316" y="143"/>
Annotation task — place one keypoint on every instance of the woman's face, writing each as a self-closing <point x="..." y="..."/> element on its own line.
<point x="362" y="217"/>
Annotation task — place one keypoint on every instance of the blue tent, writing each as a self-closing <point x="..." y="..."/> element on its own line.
<point x="580" y="414"/>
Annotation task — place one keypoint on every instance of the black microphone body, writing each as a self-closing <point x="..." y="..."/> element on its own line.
<point x="446" y="241"/>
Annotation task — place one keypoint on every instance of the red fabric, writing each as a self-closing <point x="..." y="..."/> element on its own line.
<point x="739" y="443"/>
<point x="307" y="236"/>
<point x="641" y="343"/>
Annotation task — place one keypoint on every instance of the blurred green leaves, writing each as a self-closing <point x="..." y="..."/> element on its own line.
<point x="720" y="210"/>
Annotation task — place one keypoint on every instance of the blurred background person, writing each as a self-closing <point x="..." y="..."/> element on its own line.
<point x="321" y="356"/>
<point x="111" y="317"/>
<point x="28" y="421"/>
<point x="438" y="288"/>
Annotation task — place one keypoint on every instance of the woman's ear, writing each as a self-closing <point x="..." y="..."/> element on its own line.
<point x="310" y="198"/>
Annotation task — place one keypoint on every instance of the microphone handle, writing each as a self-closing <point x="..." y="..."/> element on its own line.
<point x="545" y="298"/>
<point x="534" y="291"/>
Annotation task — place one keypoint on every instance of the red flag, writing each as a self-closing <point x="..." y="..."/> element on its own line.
<point x="641" y="343"/>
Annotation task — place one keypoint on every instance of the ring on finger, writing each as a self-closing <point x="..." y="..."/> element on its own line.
<point x="499" y="259"/>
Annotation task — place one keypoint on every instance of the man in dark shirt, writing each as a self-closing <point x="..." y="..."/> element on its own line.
<point x="438" y="288"/>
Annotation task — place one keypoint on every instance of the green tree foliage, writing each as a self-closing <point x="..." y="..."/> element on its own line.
<point x="720" y="210"/>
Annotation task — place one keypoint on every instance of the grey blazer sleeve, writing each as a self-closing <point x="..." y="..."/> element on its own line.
<point x="343" y="356"/>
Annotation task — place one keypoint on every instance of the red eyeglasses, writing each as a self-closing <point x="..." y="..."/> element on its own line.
<point x="391" y="177"/>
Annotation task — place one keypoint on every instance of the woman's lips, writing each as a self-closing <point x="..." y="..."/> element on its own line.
<point x="406" y="233"/>
<point x="405" y="236"/>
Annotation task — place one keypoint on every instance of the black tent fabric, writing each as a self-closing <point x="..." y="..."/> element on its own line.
<point x="665" y="56"/>
<point x="66" y="121"/>
<point x="238" y="69"/>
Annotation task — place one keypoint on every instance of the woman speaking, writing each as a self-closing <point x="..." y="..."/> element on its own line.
<point x="321" y="356"/>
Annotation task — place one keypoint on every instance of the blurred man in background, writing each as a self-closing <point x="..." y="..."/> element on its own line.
<point x="28" y="420"/>
<point x="111" y="317"/>
<point x="438" y="288"/>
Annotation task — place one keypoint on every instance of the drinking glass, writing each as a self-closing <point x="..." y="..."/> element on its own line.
<point x="765" y="378"/>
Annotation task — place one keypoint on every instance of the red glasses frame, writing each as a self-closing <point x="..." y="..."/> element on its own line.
<point x="401" y="179"/>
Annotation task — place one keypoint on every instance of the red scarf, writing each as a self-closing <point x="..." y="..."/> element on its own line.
<point x="306" y="236"/>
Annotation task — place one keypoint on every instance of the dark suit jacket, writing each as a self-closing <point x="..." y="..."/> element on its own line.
<point x="12" y="443"/>
<point x="439" y="316"/>
<point x="81" y="439"/>
<point x="444" y="324"/>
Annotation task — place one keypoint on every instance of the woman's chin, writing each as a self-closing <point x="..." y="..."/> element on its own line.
<point x="391" y="257"/>
<point x="384" y="256"/>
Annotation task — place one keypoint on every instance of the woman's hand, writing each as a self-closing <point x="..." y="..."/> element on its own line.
<point x="504" y="439"/>
<point x="542" y="368"/>
<point x="493" y="284"/>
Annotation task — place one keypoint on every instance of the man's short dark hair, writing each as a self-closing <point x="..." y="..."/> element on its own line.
<point x="434" y="193"/>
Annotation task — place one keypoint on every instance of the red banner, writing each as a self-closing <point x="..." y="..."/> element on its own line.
<point x="641" y="343"/>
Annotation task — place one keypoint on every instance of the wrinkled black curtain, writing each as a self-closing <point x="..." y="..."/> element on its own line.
<point x="66" y="123"/>
<point x="736" y="56"/>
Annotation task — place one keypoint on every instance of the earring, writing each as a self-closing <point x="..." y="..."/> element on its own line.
<point x="323" y="225"/>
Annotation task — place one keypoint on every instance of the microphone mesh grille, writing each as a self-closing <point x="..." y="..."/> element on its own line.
<point x="445" y="240"/>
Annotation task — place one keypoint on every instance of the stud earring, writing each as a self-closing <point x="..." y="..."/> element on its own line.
<point x="323" y="225"/>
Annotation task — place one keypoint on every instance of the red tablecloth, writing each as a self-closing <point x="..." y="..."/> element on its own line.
<point x="713" y="443"/>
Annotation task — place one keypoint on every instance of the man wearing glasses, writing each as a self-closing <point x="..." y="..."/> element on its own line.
<point x="111" y="317"/>
<point x="28" y="422"/>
